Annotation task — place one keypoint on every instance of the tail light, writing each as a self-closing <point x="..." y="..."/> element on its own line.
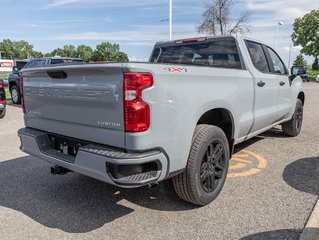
<point x="136" y="111"/>
<point x="22" y="96"/>
<point x="2" y="92"/>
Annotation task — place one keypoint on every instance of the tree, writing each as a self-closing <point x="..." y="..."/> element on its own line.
<point x="315" y="65"/>
<point x="217" y="21"/>
<point x="84" y="52"/>
<point x="36" y="54"/>
<point x="69" y="51"/>
<point x="306" y="33"/>
<point x="16" y="49"/>
<point x="106" y="51"/>
<point x="58" y="52"/>
<point x="300" y="61"/>
<point x="7" y="49"/>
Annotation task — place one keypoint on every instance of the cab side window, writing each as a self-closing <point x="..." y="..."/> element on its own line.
<point x="258" y="56"/>
<point x="278" y="65"/>
<point x="30" y="64"/>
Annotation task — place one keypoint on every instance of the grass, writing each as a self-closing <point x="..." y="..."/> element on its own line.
<point x="8" y="95"/>
<point x="5" y="78"/>
<point x="313" y="74"/>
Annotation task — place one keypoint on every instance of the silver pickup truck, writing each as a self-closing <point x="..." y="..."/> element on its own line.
<point x="178" y="116"/>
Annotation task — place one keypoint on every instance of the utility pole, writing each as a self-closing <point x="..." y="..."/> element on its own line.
<point x="170" y="19"/>
<point x="290" y="49"/>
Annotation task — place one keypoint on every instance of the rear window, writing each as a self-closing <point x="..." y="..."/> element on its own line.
<point x="57" y="61"/>
<point x="221" y="52"/>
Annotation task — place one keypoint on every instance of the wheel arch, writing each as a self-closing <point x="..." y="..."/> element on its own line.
<point x="302" y="97"/>
<point x="11" y="84"/>
<point x="223" y="119"/>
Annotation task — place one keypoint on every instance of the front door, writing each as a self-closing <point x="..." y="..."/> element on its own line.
<point x="284" y="97"/>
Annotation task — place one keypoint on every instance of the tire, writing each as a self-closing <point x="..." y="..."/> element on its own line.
<point x="15" y="95"/>
<point x="2" y="113"/>
<point x="207" y="166"/>
<point x="292" y="128"/>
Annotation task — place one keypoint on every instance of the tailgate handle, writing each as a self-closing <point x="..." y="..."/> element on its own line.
<point x="57" y="74"/>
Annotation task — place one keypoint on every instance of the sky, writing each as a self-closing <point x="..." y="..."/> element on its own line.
<point x="138" y="25"/>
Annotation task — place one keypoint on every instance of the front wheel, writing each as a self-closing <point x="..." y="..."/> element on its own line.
<point x="292" y="128"/>
<point x="207" y="166"/>
<point x="15" y="95"/>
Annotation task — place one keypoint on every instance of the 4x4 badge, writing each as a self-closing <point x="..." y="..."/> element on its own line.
<point x="175" y="69"/>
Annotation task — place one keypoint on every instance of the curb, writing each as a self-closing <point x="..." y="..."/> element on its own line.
<point x="311" y="230"/>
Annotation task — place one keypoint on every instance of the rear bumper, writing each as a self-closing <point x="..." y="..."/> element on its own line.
<point x="94" y="161"/>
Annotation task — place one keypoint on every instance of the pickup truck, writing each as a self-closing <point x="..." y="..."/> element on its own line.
<point x="177" y="116"/>
<point x="14" y="77"/>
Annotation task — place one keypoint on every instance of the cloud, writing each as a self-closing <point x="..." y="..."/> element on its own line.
<point x="77" y="3"/>
<point x="59" y="3"/>
<point x="139" y="35"/>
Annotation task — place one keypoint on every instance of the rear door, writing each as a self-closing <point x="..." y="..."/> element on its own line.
<point x="266" y="87"/>
<point x="83" y="102"/>
<point x="279" y="69"/>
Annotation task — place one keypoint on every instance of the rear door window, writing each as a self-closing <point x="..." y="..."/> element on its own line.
<point x="258" y="56"/>
<point x="221" y="52"/>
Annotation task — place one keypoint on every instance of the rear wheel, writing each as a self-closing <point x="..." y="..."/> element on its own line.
<point x="207" y="166"/>
<point x="293" y="127"/>
<point x="15" y="95"/>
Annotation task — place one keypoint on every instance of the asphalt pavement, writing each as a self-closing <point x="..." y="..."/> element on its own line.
<point x="271" y="191"/>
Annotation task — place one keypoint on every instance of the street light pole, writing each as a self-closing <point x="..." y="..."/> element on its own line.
<point x="290" y="49"/>
<point x="276" y="36"/>
<point x="170" y="19"/>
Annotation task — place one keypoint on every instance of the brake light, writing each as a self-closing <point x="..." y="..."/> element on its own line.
<point x="136" y="111"/>
<point x="1" y="84"/>
<point x="191" y="40"/>
<point x="22" y="96"/>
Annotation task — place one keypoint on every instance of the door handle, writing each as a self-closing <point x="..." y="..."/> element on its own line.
<point x="282" y="83"/>
<point x="261" y="84"/>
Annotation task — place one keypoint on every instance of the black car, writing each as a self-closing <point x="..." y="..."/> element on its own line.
<point x="3" y="101"/>
<point x="14" y="77"/>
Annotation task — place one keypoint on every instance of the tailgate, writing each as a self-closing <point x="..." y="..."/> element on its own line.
<point x="84" y="102"/>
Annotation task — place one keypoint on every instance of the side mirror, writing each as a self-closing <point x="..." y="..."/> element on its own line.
<point x="15" y="70"/>
<point x="297" y="71"/>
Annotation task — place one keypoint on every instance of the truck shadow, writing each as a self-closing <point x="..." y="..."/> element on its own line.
<point x="74" y="203"/>
<point x="287" y="234"/>
<point x="303" y="175"/>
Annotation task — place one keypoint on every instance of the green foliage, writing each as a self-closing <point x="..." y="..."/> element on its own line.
<point x="315" y="65"/>
<point x="313" y="73"/>
<point x="106" y="51"/>
<point x="306" y="33"/>
<point x="17" y="49"/>
<point x="300" y="61"/>
<point x="8" y="95"/>
<point x="85" y="52"/>
<point x="36" y="54"/>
